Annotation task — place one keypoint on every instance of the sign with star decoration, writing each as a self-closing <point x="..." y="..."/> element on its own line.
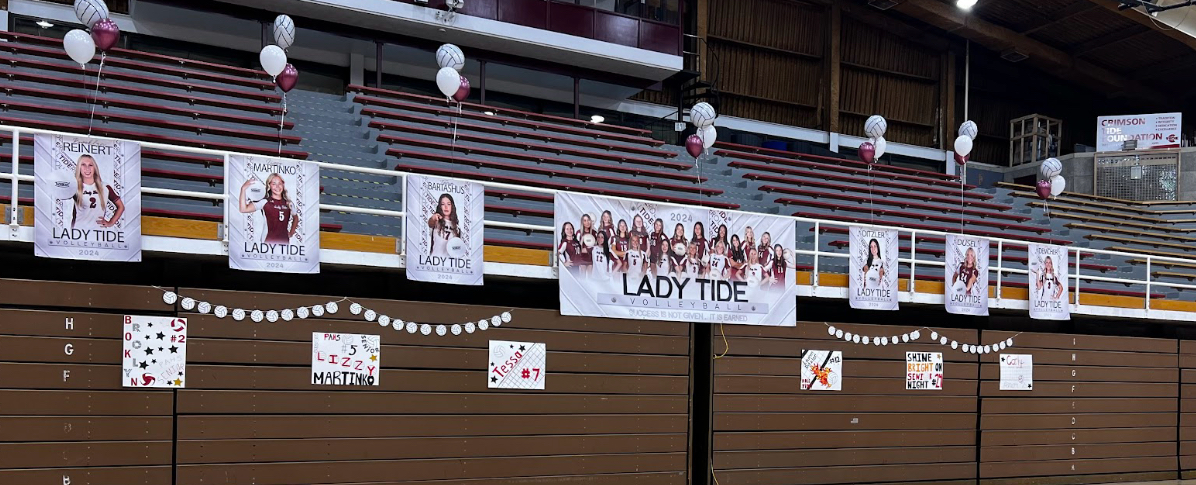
<point x="517" y="365"/>
<point x="155" y="352"/>
<point x="345" y="359"/>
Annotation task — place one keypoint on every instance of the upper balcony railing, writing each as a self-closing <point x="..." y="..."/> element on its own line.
<point x="653" y="25"/>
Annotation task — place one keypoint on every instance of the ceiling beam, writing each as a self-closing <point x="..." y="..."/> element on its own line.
<point x="1045" y="57"/>
<point x="1166" y="67"/>
<point x="1108" y="39"/>
<point x="1143" y="19"/>
<point x="1064" y="14"/>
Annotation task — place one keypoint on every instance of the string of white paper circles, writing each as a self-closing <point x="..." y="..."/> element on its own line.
<point x="332" y="307"/>
<point x="884" y="340"/>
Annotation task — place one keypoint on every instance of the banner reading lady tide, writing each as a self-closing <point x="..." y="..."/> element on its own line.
<point x="966" y="279"/>
<point x="273" y="214"/>
<point x="630" y="259"/>
<point x="444" y="230"/>
<point x="872" y="284"/>
<point x="1048" y="282"/>
<point x="87" y="198"/>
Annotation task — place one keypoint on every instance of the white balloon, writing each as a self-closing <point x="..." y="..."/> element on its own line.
<point x="79" y="46"/>
<point x="91" y="11"/>
<point x="969" y="129"/>
<point x="449" y="55"/>
<point x="702" y="115"/>
<point x="876" y="126"/>
<point x="708" y="135"/>
<point x="448" y="80"/>
<point x="284" y="31"/>
<point x="1050" y="168"/>
<point x="1058" y="183"/>
<point x="963" y="145"/>
<point x="274" y="60"/>
<point x="880" y="145"/>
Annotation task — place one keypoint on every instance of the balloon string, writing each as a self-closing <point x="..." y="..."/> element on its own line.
<point x="454" y="140"/>
<point x="282" y="122"/>
<point x="95" y="97"/>
<point x="963" y="170"/>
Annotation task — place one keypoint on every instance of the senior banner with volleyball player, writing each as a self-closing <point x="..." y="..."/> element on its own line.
<point x="87" y="198"/>
<point x="872" y="284"/>
<point x="966" y="275"/>
<point x="1048" y="282"/>
<point x="632" y="259"/>
<point x="444" y="230"/>
<point x="273" y="214"/>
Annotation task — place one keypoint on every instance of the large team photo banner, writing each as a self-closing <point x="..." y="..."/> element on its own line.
<point x="444" y="230"/>
<point x="966" y="278"/>
<point x="629" y="259"/>
<point x="273" y="214"/>
<point x="1048" y="282"/>
<point x="87" y="198"/>
<point x="872" y="284"/>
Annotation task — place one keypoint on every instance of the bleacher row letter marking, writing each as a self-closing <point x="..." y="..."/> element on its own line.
<point x="69" y="349"/>
<point x="70" y="323"/>
<point x="66" y="480"/>
<point x="66" y="374"/>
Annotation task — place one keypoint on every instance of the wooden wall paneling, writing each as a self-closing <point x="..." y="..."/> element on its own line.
<point x="769" y="431"/>
<point x="63" y="412"/>
<point x="615" y="409"/>
<point x="1187" y="408"/>
<point x="1102" y="409"/>
<point x="887" y="75"/>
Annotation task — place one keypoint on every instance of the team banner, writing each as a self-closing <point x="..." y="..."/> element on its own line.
<point x="966" y="275"/>
<point x="872" y="284"/>
<point x="632" y="259"/>
<point x="1048" y="282"/>
<point x="444" y="230"/>
<point x="87" y="198"/>
<point x="273" y="214"/>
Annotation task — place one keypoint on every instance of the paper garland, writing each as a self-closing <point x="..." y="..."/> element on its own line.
<point x="917" y="334"/>
<point x="332" y="307"/>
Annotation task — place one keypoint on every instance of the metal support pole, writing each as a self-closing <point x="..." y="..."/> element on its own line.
<point x="378" y="59"/>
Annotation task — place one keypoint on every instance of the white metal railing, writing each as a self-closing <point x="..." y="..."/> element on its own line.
<point x="818" y="254"/>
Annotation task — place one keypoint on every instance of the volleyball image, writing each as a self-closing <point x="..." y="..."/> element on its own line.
<point x="62" y="185"/>
<point x="1050" y="168"/>
<point x="91" y="11"/>
<point x="969" y="129"/>
<point x="959" y="288"/>
<point x="702" y="115"/>
<point x="284" y="31"/>
<point x="876" y="126"/>
<point x="679" y="249"/>
<point x="456" y="247"/>
<point x="449" y="55"/>
<point x="257" y="191"/>
<point x="588" y="240"/>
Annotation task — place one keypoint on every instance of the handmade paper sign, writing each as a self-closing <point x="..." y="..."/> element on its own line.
<point x="1017" y="372"/>
<point x="517" y="365"/>
<point x="345" y="359"/>
<point x="822" y="370"/>
<point x="155" y="352"/>
<point x="924" y="371"/>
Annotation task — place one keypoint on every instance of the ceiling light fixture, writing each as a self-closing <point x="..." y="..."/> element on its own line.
<point x="965" y="4"/>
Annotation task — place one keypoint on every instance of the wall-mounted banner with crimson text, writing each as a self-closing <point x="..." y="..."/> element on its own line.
<point x="444" y="230"/>
<point x="155" y="352"/>
<point x="345" y="359"/>
<point x="273" y="214"/>
<point x="1149" y="132"/>
<point x="1048" y="282"/>
<point x="622" y="258"/>
<point x="517" y="365"/>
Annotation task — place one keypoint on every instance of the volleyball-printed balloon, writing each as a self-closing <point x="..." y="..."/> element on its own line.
<point x="969" y="129"/>
<point x="91" y="11"/>
<point x="1050" y="168"/>
<point x="875" y="126"/>
<point x="449" y="55"/>
<point x="284" y="31"/>
<point x="702" y="115"/>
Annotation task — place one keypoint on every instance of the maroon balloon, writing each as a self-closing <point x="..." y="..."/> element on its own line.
<point x="867" y="152"/>
<point x="1043" y="189"/>
<point x="105" y="34"/>
<point x="287" y="78"/>
<point x="961" y="159"/>
<point x="693" y="145"/>
<point x="462" y="92"/>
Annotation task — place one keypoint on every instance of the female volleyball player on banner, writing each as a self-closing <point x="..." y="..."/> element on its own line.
<point x="1048" y="282"/>
<point x="87" y="198"/>
<point x="966" y="277"/>
<point x="444" y="231"/>
<point x="872" y="282"/>
<point x="274" y="220"/>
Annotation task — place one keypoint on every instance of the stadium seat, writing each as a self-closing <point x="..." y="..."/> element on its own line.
<point x="846" y="179"/>
<point x="738" y="148"/>
<point x="827" y="167"/>
<point x="900" y="203"/>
